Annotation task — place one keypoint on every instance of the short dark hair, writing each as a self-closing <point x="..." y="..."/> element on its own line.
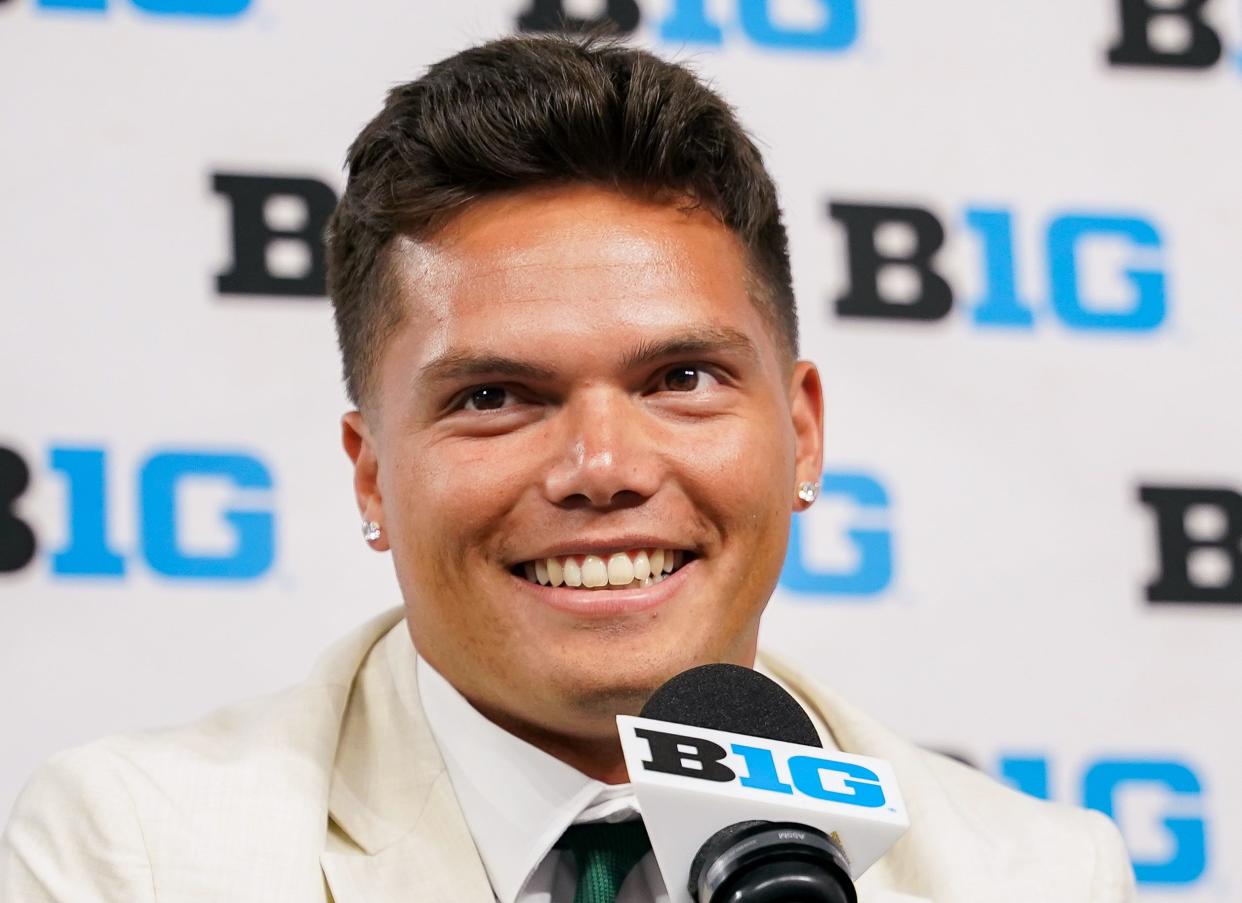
<point x="532" y="111"/>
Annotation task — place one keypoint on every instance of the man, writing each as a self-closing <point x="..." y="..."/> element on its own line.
<point x="563" y="297"/>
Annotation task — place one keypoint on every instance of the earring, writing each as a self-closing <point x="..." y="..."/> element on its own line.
<point x="370" y="530"/>
<point x="808" y="492"/>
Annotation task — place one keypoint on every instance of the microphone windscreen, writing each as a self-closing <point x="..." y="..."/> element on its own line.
<point x="733" y="699"/>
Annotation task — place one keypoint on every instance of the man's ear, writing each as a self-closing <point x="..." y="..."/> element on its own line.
<point x="361" y="450"/>
<point x="806" y="408"/>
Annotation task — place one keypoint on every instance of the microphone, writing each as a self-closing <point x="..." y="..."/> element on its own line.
<point x="739" y="795"/>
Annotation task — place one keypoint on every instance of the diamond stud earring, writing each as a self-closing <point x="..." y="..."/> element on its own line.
<point x="808" y="492"/>
<point x="370" y="530"/>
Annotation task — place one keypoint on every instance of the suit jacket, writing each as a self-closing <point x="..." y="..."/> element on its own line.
<point x="334" y="790"/>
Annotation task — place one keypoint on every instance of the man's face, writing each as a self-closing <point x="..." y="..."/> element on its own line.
<point x="581" y="386"/>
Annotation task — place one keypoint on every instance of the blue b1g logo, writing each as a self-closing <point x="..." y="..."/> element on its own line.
<point x="213" y="9"/>
<point x="689" y="22"/>
<point x="885" y="240"/>
<point x="756" y="767"/>
<point x="868" y="541"/>
<point x="164" y="482"/>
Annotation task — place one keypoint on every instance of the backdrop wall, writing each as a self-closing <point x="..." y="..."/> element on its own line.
<point x="1015" y="232"/>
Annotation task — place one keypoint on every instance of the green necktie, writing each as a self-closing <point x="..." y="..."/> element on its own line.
<point x="605" y="854"/>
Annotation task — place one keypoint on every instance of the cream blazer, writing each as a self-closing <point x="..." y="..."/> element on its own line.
<point x="335" y="791"/>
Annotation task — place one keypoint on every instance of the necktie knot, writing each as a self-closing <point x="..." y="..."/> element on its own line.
<point x="604" y="853"/>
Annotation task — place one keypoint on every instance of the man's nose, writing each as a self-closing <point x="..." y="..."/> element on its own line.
<point x="606" y="456"/>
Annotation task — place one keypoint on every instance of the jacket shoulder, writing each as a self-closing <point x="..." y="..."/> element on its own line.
<point x="282" y="737"/>
<point x="74" y="833"/>
<point x="972" y="837"/>
<point x="98" y="821"/>
<point x="1032" y="837"/>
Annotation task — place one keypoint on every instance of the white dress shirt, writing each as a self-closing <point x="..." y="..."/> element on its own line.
<point x="518" y="800"/>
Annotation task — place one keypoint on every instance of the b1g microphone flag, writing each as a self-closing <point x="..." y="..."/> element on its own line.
<point x="692" y="779"/>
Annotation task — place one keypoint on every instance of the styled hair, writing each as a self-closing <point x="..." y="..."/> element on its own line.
<point x="533" y="111"/>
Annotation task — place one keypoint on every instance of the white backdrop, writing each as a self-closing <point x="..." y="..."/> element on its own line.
<point x="976" y="574"/>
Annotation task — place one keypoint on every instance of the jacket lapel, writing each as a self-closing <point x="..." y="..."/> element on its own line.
<point x="397" y="831"/>
<point x="434" y="860"/>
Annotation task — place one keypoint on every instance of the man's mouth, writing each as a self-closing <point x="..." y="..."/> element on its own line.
<point x="617" y="570"/>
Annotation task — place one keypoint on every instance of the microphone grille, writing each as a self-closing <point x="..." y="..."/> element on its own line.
<point x="733" y="699"/>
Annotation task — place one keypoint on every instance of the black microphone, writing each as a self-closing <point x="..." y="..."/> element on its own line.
<point x="754" y="861"/>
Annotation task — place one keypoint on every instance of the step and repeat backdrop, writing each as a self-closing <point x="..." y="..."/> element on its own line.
<point x="1016" y="231"/>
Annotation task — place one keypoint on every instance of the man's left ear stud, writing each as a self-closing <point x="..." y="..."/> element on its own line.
<point x="808" y="492"/>
<point x="370" y="530"/>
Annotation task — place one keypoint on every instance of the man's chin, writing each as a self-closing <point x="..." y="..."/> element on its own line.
<point x="608" y="688"/>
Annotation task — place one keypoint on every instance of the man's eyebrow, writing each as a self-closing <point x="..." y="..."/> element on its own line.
<point x="709" y="341"/>
<point x="454" y="366"/>
<point x="457" y="366"/>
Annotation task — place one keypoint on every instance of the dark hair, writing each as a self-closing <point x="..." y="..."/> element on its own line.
<point x="532" y="111"/>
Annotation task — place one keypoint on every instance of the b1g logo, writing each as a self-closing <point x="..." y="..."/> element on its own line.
<point x="854" y="561"/>
<point x="165" y="481"/>
<point x="210" y="9"/>
<point x="1199" y="538"/>
<point x="881" y="239"/>
<point x="832" y="25"/>
<point x="756" y="767"/>
<point x="1157" y="804"/>
<point x="1169" y="34"/>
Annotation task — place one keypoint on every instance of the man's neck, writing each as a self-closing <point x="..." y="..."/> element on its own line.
<point x="598" y="757"/>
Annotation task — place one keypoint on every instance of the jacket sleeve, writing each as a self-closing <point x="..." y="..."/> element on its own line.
<point x="74" y="835"/>
<point x="1114" y="875"/>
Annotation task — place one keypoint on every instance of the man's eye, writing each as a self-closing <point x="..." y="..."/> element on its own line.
<point x="682" y="379"/>
<point x="486" y="398"/>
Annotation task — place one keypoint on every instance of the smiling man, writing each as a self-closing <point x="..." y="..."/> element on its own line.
<point x="582" y="444"/>
<point x="563" y="297"/>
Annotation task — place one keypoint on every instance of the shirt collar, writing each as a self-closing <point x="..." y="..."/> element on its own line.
<point x="517" y="800"/>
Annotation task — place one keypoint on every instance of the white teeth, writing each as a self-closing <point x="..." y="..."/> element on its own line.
<point x="620" y="569"/>
<point x="594" y="571"/>
<point x="642" y="567"/>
